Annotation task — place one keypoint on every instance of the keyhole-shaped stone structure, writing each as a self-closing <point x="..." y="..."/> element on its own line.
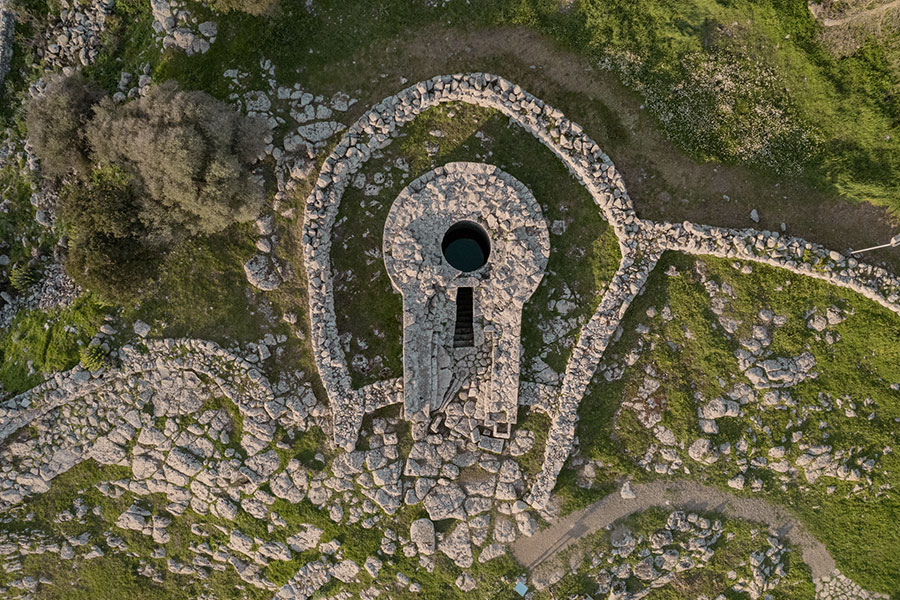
<point x="466" y="245"/>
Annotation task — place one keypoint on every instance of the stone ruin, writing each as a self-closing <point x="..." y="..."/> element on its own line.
<point x="641" y="243"/>
<point x="466" y="245"/>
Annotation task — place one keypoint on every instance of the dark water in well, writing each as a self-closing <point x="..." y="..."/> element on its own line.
<point x="466" y="246"/>
<point x="465" y="254"/>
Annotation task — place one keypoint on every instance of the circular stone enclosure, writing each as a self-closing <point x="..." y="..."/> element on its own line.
<point x="466" y="246"/>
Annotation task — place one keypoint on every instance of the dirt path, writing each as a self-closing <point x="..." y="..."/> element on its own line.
<point x="687" y="495"/>
<point x="855" y="16"/>
<point x="665" y="183"/>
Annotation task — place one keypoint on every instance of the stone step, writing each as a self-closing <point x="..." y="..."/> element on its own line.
<point x="464" y="334"/>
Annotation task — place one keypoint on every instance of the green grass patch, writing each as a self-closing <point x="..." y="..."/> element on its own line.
<point x="42" y="342"/>
<point x="202" y="291"/>
<point x="849" y="405"/>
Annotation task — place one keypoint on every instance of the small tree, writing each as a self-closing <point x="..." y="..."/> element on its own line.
<point x="56" y="121"/>
<point x="190" y="156"/>
<point x="108" y="250"/>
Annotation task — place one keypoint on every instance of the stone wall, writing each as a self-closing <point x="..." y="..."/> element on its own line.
<point x="375" y="130"/>
<point x="641" y="243"/>
<point x="520" y="247"/>
<point x="794" y="254"/>
<point x="595" y="338"/>
<point x="172" y="367"/>
<point x="7" y="27"/>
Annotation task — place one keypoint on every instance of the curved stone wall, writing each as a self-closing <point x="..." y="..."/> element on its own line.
<point x="373" y="131"/>
<point x="641" y="243"/>
<point x="176" y="367"/>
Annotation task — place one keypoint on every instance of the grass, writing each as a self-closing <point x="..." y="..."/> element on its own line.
<point x="308" y="41"/>
<point x="539" y="425"/>
<point x="202" y="291"/>
<point x="115" y="574"/>
<point x="19" y="232"/>
<point x="128" y="45"/>
<point x="815" y="93"/>
<point x="691" y="355"/>
<point x="731" y="554"/>
<point x="31" y="18"/>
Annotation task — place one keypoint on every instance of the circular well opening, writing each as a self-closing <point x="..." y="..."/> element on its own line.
<point x="466" y="246"/>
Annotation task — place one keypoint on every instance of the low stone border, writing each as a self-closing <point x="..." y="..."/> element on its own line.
<point x="7" y="29"/>
<point x="261" y="405"/>
<point x="373" y="131"/>
<point x="794" y="254"/>
<point x="791" y="253"/>
<point x="592" y="343"/>
<point x="198" y="356"/>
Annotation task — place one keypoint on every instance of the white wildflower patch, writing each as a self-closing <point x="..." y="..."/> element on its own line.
<point x="722" y="106"/>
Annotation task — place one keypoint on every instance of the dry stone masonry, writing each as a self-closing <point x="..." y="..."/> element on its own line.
<point x="67" y="407"/>
<point x="153" y="415"/>
<point x="375" y="130"/>
<point x="176" y="28"/>
<point x="75" y="39"/>
<point x="55" y="290"/>
<point x="447" y="340"/>
<point x="641" y="243"/>
<point x="164" y="412"/>
<point x="7" y="29"/>
<point x="785" y="252"/>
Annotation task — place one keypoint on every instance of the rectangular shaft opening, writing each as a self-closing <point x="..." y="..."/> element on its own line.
<point x="464" y="334"/>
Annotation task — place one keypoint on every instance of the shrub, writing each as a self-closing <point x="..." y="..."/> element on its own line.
<point x="93" y="358"/>
<point x="108" y="250"/>
<point x="190" y="156"/>
<point x="22" y="278"/>
<point x="55" y="122"/>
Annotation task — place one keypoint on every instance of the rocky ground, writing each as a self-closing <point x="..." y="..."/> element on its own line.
<point x="203" y="469"/>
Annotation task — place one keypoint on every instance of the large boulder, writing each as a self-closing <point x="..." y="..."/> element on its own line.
<point x="445" y="502"/>
<point x="458" y="546"/>
<point x="421" y="532"/>
<point x="260" y="272"/>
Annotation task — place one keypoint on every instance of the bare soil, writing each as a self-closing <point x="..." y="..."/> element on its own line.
<point x="833" y="14"/>
<point x="675" y="495"/>
<point x="846" y="26"/>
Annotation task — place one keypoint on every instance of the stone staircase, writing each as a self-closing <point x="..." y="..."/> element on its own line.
<point x="464" y="334"/>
